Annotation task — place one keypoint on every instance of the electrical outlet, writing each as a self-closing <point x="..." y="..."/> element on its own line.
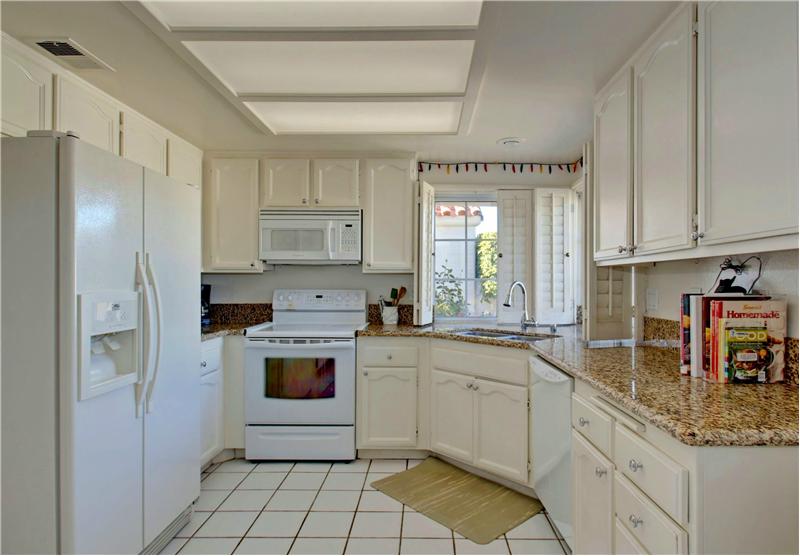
<point x="652" y="300"/>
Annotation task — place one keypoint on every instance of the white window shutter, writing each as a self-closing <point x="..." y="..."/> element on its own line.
<point x="553" y="264"/>
<point x="514" y="248"/>
<point x="424" y="288"/>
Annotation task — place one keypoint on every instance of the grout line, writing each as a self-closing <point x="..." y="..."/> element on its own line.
<point x="508" y="544"/>
<point x="305" y="517"/>
<point x="253" y="470"/>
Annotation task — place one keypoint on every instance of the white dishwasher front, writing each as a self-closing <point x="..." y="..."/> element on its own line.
<point x="551" y="407"/>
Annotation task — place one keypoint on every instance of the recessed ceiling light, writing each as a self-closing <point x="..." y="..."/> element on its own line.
<point x="511" y="141"/>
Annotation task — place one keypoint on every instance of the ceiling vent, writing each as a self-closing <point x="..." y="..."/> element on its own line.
<point x="72" y="54"/>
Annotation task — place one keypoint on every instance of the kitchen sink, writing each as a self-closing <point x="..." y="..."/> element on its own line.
<point x="500" y="335"/>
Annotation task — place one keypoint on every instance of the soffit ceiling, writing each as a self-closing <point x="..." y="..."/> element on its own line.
<point x="539" y="65"/>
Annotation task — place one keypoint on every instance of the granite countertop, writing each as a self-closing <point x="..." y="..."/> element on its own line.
<point x="645" y="381"/>
<point x="222" y="329"/>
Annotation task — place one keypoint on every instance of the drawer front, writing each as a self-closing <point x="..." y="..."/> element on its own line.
<point x="211" y="356"/>
<point x="661" y="478"/>
<point x="595" y="425"/>
<point x="389" y="356"/>
<point x="624" y="541"/>
<point x="651" y="527"/>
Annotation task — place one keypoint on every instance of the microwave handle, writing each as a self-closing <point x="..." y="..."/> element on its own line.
<point x="331" y="240"/>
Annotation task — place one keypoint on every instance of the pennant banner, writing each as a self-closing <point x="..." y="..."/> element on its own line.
<point x="513" y="167"/>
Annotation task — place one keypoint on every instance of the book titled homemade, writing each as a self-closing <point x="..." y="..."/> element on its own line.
<point x="747" y="340"/>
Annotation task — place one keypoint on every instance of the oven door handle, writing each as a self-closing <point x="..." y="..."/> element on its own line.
<point x="286" y="347"/>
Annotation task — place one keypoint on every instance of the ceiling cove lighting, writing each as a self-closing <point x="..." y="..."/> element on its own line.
<point x="338" y="67"/>
<point x="344" y="118"/>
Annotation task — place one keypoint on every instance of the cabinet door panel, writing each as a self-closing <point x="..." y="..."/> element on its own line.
<point x="747" y="120"/>
<point x="612" y="169"/>
<point x="211" y="415"/>
<point x="184" y="161"/>
<point x="27" y="96"/>
<point x="388" y="407"/>
<point x="285" y="183"/>
<point x="452" y="415"/>
<point x="592" y="487"/>
<point x="93" y="117"/>
<point x="231" y="224"/>
<point x="388" y="216"/>
<point x="144" y="142"/>
<point x="501" y="430"/>
<point x="336" y="183"/>
<point x="664" y="138"/>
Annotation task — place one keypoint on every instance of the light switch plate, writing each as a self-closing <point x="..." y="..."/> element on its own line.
<point x="652" y="299"/>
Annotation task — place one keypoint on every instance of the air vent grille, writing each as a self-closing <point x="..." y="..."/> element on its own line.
<point x="57" y="48"/>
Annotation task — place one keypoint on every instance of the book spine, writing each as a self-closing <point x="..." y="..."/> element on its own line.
<point x="696" y="336"/>
<point x="685" y="334"/>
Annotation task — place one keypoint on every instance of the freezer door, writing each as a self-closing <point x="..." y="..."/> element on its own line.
<point x="172" y="417"/>
<point x="101" y="220"/>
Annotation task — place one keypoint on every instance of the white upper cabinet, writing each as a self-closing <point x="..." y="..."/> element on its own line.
<point x="613" y="168"/>
<point x="388" y="230"/>
<point x="747" y="116"/>
<point x="286" y="183"/>
<point x="184" y="161"/>
<point x="230" y="200"/>
<point x="664" y="89"/>
<point x="27" y="96"/>
<point x="144" y="142"/>
<point x="91" y="114"/>
<point x="335" y="183"/>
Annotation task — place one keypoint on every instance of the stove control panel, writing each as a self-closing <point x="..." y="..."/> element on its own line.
<point x="319" y="300"/>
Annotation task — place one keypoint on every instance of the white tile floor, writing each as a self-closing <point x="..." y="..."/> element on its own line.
<point x="319" y="508"/>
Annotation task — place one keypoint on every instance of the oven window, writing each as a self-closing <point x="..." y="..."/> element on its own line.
<point x="300" y="378"/>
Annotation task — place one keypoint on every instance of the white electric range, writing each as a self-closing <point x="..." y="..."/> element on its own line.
<point x="300" y="376"/>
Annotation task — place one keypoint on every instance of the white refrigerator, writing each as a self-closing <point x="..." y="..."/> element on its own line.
<point x="100" y="350"/>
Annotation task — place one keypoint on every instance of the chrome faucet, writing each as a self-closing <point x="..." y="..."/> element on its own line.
<point x="526" y="321"/>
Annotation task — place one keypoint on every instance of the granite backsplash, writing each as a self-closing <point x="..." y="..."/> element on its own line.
<point x="255" y="313"/>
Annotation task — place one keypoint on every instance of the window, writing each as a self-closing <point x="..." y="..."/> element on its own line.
<point x="465" y="264"/>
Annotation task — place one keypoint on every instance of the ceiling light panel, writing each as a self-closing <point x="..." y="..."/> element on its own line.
<point x="380" y="67"/>
<point x="317" y="14"/>
<point x="286" y="118"/>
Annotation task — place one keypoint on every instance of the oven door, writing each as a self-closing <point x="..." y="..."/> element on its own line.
<point x="300" y="381"/>
<point x="295" y="239"/>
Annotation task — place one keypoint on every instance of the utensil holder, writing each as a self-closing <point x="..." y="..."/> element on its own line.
<point x="389" y="315"/>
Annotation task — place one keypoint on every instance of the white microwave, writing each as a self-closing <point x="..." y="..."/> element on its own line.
<point x="297" y="236"/>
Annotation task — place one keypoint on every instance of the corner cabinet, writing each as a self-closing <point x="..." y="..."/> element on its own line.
<point x="230" y="203"/>
<point x="747" y="121"/>
<point x="663" y="92"/>
<point x="27" y="98"/>
<point x="613" y="151"/>
<point x="388" y="226"/>
<point x="91" y="114"/>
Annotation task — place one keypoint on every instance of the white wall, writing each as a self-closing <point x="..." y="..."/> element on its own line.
<point x="779" y="276"/>
<point x="257" y="288"/>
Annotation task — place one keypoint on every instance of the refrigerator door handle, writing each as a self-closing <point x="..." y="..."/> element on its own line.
<point x="147" y="348"/>
<point x="151" y="276"/>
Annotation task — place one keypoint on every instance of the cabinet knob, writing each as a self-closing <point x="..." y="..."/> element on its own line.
<point x="366" y="373"/>
<point x="635" y="521"/>
<point x="621" y="248"/>
<point x="634" y="465"/>
<point x="204" y="364"/>
<point x="474" y="386"/>
<point x="316" y="201"/>
<point x="600" y="472"/>
<point x="305" y="201"/>
<point x="389" y="357"/>
<point x="631" y="248"/>
<point x="698" y="235"/>
<point x="469" y="386"/>
<point x="499" y="255"/>
<point x="583" y="421"/>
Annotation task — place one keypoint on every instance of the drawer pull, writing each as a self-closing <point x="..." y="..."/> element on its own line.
<point x="583" y="421"/>
<point x="634" y="465"/>
<point x="635" y="521"/>
<point x="599" y="471"/>
<point x="389" y="357"/>
<point x="204" y="364"/>
<point x="366" y="373"/>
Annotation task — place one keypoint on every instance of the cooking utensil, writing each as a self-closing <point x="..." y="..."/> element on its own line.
<point x="401" y="295"/>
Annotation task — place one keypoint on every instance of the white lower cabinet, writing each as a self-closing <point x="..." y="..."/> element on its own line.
<point x="592" y="490"/>
<point x="501" y="420"/>
<point x="387" y="407"/>
<point x="212" y="424"/>
<point x="452" y="415"/>
<point x="624" y="541"/>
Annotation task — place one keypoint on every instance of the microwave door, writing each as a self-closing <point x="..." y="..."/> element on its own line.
<point x="295" y="240"/>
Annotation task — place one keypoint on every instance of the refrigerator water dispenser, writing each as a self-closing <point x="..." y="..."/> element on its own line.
<point x="109" y="341"/>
